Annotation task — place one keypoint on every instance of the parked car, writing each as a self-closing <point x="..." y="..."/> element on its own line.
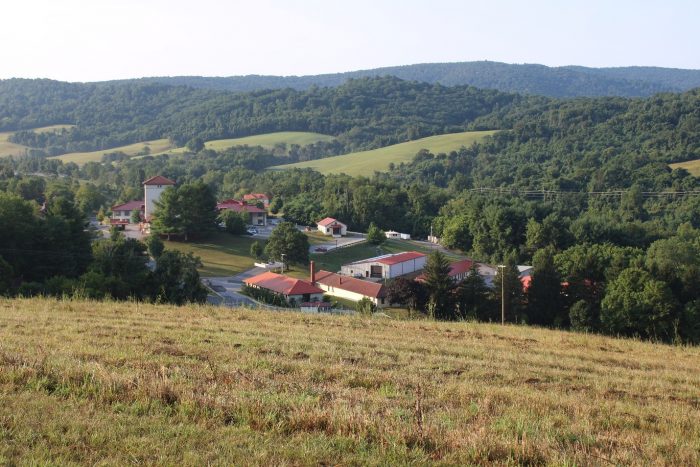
<point x="321" y="249"/>
<point x="252" y="231"/>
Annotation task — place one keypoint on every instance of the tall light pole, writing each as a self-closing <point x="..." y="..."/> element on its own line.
<point x="283" y="255"/>
<point x="502" y="267"/>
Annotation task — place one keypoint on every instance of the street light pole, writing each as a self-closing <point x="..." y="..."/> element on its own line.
<point x="283" y="255"/>
<point x="502" y="267"/>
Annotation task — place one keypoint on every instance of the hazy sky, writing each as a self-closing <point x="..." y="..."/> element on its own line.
<point x="87" y="40"/>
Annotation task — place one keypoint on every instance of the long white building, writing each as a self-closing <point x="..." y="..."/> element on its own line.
<point x="386" y="266"/>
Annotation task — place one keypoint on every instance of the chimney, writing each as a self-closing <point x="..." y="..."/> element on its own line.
<point x="312" y="273"/>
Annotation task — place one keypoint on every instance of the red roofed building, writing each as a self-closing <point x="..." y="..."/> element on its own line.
<point x="290" y="288"/>
<point x="253" y="198"/>
<point x="386" y="266"/>
<point x="351" y="288"/>
<point x="256" y="216"/>
<point x="330" y="226"/>
<point x="121" y="213"/>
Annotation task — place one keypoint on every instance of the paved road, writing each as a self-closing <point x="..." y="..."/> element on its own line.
<point x="350" y="239"/>
<point x="230" y="287"/>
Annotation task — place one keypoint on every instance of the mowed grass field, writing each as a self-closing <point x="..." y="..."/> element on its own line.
<point x="12" y="149"/>
<point x="267" y="140"/>
<point x="222" y="254"/>
<point x="366" y="162"/>
<point x="691" y="166"/>
<point x="80" y="158"/>
<point x="86" y="383"/>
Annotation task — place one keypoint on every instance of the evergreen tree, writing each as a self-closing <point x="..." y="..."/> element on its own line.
<point x="439" y="286"/>
<point x="544" y="296"/>
<point x="508" y="290"/>
<point x="473" y="297"/>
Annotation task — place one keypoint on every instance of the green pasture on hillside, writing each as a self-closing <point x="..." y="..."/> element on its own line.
<point x="155" y="146"/>
<point x="366" y="162"/>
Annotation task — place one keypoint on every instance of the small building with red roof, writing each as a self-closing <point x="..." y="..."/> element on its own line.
<point x="121" y="213"/>
<point x="386" y="266"/>
<point x="253" y="198"/>
<point x="256" y="215"/>
<point x="333" y="227"/>
<point x="297" y="290"/>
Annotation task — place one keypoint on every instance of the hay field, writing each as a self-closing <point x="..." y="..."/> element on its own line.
<point x="366" y="162"/>
<point x="156" y="146"/>
<point x="12" y="149"/>
<point x="691" y="166"/>
<point x="126" y="383"/>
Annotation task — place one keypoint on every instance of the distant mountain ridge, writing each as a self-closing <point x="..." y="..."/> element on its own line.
<point x="566" y="81"/>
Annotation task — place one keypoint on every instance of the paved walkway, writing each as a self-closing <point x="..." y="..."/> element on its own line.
<point x="229" y="288"/>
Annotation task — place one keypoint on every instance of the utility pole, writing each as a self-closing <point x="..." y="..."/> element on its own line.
<point x="283" y="255"/>
<point x="502" y="267"/>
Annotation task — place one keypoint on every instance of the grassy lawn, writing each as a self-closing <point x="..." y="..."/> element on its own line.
<point x="120" y="383"/>
<point x="222" y="254"/>
<point x="156" y="146"/>
<point x="317" y="238"/>
<point x="11" y="149"/>
<point x="366" y="162"/>
<point x="691" y="166"/>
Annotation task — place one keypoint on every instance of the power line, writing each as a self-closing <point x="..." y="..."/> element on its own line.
<point x="544" y="194"/>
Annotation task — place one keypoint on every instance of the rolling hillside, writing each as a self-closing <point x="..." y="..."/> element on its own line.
<point x="127" y="383"/>
<point x="267" y="140"/>
<point x="154" y="147"/>
<point x="566" y="81"/>
<point x="366" y="162"/>
<point x="12" y="149"/>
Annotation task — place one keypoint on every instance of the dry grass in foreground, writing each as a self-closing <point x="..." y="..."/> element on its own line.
<point x="121" y="383"/>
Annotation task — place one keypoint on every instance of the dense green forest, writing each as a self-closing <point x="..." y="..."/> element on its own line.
<point x="567" y="81"/>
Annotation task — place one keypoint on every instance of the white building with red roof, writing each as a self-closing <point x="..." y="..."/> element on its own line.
<point x="121" y="213"/>
<point x="386" y="266"/>
<point x="299" y="290"/>
<point x="152" y="189"/>
<point x="256" y="215"/>
<point x="350" y="288"/>
<point x="330" y="226"/>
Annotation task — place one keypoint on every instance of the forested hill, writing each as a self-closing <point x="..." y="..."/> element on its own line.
<point x="364" y="113"/>
<point x="568" y="81"/>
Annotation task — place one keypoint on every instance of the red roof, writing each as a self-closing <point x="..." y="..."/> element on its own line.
<point x="159" y="180"/>
<point x="400" y="258"/>
<point x="238" y="206"/>
<point x="282" y="284"/>
<point x="366" y="288"/>
<point x="328" y="221"/>
<point x="460" y="267"/>
<point x="130" y="206"/>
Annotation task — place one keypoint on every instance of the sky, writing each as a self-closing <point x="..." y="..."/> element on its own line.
<point x="95" y="40"/>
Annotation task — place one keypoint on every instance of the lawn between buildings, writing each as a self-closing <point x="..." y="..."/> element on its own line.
<point x="121" y="383"/>
<point x="222" y="254"/>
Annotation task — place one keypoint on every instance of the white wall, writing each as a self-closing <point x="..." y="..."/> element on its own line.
<point x="151" y="194"/>
<point x="342" y="293"/>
